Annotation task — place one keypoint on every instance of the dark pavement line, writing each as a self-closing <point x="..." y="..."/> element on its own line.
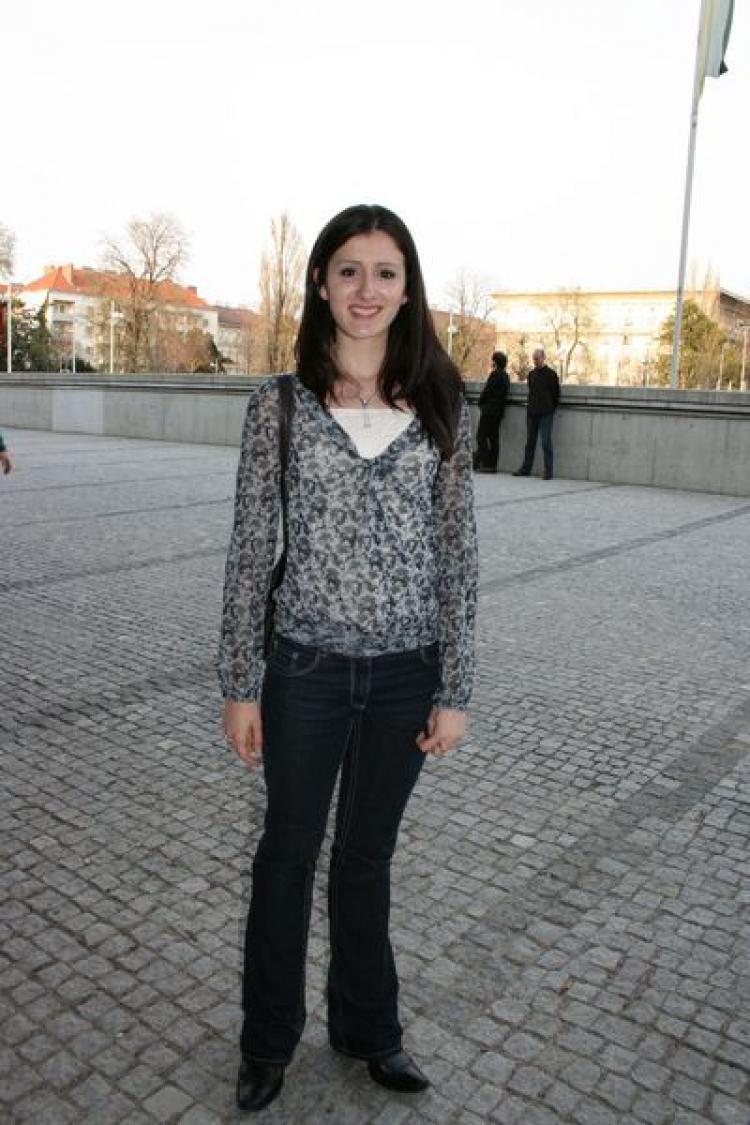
<point x="696" y="772"/>
<point x="121" y="480"/>
<point x="116" y="696"/>
<point x="493" y="585"/>
<point x="545" y="496"/>
<point x="522" y="577"/>
<point x="119" y="512"/>
<point x="102" y="572"/>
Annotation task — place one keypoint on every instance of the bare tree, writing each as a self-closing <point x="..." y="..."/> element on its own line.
<point x="569" y="322"/>
<point x="519" y="359"/>
<point x="469" y="333"/>
<point x="180" y="345"/>
<point x="149" y="254"/>
<point x="281" y="274"/>
<point x="7" y="250"/>
<point x="704" y="288"/>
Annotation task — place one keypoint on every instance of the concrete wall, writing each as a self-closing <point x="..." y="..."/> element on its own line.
<point x="695" y="440"/>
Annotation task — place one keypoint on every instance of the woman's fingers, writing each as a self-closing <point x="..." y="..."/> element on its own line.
<point x="435" y="743"/>
<point x="444" y="730"/>
<point x="253" y="744"/>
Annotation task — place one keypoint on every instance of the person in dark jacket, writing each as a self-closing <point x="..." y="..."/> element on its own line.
<point x="543" y="401"/>
<point x="491" y="410"/>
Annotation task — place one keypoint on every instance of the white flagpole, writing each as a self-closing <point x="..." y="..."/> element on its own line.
<point x="675" y="374"/>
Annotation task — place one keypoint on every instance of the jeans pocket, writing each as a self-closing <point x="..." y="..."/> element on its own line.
<point x="292" y="660"/>
<point x="430" y="654"/>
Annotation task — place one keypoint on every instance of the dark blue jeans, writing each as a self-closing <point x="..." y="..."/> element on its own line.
<point x="324" y="714"/>
<point x="538" y="424"/>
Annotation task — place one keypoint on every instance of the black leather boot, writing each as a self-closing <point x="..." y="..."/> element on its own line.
<point x="398" y="1072"/>
<point x="258" y="1083"/>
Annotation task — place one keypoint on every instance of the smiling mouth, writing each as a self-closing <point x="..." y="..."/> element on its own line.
<point x="364" y="310"/>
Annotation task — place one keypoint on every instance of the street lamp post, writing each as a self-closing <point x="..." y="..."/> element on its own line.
<point x="452" y="330"/>
<point x="724" y="344"/>
<point x="113" y="316"/>
<point x="8" y="327"/>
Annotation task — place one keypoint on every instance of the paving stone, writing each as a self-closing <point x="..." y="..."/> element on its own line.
<point x="493" y="1067"/>
<point x="167" y="1103"/>
<point x="588" y="1112"/>
<point x="654" y="1109"/>
<point x="729" y="1079"/>
<point x="728" y="1111"/>
<point x="687" y="1092"/>
<point x="200" y="1116"/>
<point x="562" y="1099"/>
<point x="45" y="1107"/>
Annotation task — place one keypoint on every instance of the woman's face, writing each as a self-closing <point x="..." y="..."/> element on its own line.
<point x="365" y="285"/>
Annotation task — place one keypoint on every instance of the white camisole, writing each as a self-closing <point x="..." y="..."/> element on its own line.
<point x="372" y="431"/>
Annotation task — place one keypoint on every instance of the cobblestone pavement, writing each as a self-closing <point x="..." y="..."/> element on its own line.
<point x="571" y="891"/>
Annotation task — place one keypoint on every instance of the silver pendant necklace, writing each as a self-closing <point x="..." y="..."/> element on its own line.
<point x="365" y="402"/>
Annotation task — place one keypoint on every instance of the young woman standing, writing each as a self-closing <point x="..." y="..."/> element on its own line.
<point x="371" y="663"/>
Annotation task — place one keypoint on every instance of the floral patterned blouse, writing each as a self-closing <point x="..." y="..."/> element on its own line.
<point x="382" y="552"/>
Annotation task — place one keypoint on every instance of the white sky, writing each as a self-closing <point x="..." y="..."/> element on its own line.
<point x="536" y="143"/>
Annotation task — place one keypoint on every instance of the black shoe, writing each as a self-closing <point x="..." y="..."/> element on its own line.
<point x="521" y="473"/>
<point x="547" y="476"/>
<point x="398" y="1072"/>
<point x="258" y="1083"/>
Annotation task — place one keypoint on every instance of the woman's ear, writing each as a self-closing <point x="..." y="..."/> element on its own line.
<point x="320" y="287"/>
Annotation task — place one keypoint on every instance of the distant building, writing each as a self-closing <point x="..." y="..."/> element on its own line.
<point x="238" y="337"/>
<point x="81" y="306"/>
<point x="618" y="332"/>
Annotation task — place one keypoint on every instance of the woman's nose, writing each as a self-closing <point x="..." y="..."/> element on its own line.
<point x="366" y="283"/>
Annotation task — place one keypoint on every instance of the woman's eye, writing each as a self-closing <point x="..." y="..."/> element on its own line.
<point x="347" y="271"/>
<point x="388" y="275"/>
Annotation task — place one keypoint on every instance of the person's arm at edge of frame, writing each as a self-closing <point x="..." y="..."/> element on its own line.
<point x="6" y="461"/>
<point x="250" y="558"/>
<point x="457" y="566"/>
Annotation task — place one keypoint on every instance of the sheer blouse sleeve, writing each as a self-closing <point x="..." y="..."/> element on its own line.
<point x="457" y="570"/>
<point x="252" y="549"/>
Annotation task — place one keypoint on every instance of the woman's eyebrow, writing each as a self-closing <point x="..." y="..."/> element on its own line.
<point x="358" y="262"/>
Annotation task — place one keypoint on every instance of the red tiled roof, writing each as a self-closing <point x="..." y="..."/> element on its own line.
<point x="236" y="317"/>
<point x="100" y="283"/>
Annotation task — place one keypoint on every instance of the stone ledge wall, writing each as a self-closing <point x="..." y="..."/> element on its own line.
<point x="694" y="440"/>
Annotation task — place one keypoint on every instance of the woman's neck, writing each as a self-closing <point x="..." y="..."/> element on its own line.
<point x="359" y="361"/>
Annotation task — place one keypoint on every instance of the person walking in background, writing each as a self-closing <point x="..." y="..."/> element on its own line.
<point x="6" y="461"/>
<point x="371" y="660"/>
<point x="543" y="401"/>
<point x="491" y="409"/>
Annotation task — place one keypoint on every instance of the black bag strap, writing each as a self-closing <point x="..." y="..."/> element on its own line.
<point x="286" y="414"/>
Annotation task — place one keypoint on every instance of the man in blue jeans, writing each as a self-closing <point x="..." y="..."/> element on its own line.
<point x="543" y="401"/>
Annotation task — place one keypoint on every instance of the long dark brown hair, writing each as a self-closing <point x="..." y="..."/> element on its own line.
<point x="416" y="367"/>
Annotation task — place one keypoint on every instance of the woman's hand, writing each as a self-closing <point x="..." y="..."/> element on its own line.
<point x="243" y="730"/>
<point x="445" y="729"/>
